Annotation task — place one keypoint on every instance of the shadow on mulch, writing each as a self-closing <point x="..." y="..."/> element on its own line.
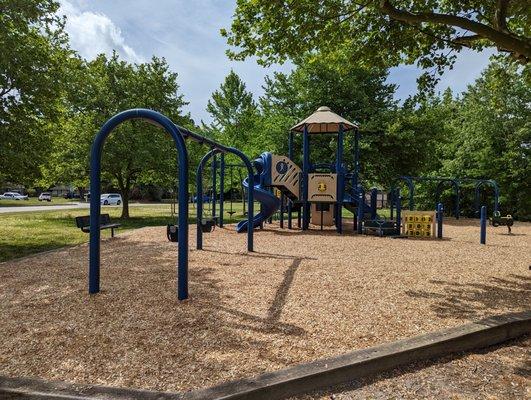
<point x="474" y="300"/>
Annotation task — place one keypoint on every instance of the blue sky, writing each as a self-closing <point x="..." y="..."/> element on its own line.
<point x="186" y="33"/>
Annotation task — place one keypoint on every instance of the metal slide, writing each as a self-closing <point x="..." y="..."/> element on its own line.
<point x="269" y="203"/>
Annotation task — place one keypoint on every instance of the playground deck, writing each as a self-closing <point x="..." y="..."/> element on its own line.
<point x="299" y="297"/>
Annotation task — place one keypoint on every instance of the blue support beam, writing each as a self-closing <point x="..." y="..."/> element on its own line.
<point x="221" y="189"/>
<point x="440" y="217"/>
<point x="340" y="180"/>
<point x="95" y="193"/>
<point x="483" y="225"/>
<point x="374" y="199"/>
<point x="305" y="171"/>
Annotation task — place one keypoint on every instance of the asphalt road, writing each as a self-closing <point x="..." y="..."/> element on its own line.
<point x="73" y="206"/>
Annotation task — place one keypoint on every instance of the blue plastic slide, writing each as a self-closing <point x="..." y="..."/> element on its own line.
<point x="269" y="203"/>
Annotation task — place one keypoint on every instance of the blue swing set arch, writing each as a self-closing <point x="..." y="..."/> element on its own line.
<point x="178" y="134"/>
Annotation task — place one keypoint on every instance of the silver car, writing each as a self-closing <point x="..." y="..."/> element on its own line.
<point x="109" y="199"/>
<point x="12" y="196"/>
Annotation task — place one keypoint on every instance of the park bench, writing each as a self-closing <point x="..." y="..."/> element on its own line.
<point x="83" y="223"/>
<point x="498" y="220"/>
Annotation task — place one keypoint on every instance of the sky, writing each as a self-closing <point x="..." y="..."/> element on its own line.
<point x="186" y="33"/>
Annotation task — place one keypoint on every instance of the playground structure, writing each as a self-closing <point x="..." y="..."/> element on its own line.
<point x="317" y="192"/>
<point x="456" y="184"/>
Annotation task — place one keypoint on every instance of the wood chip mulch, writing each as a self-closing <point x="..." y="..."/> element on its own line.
<point x="300" y="296"/>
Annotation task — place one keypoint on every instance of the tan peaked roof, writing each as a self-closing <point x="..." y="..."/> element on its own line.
<point x="324" y="121"/>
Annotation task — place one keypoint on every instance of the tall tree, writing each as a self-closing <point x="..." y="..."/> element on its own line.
<point x="31" y="76"/>
<point x="492" y="135"/>
<point x="359" y="94"/>
<point x="381" y="33"/>
<point x="136" y="152"/>
<point x="234" y="113"/>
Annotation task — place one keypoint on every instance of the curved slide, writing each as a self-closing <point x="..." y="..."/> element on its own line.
<point x="269" y="202"/>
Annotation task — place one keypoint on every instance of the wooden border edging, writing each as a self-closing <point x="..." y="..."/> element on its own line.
<point x="304" y="377"/>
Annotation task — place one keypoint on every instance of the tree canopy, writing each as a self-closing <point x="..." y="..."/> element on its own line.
<point x="382" y="33"/>
<point x="136" y="152"/>
<point x="32" y="73"/>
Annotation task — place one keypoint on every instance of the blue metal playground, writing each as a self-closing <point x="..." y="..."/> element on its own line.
<point x="315" y="193"/>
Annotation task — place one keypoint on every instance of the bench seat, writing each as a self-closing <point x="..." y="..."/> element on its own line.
<point x="83" y="223"/>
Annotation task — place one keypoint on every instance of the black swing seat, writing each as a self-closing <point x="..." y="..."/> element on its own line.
<point x="208" y="224"/>
<point x="498" y="220"/>
<point x="172" y="233"/>
<point x="83" y="223"/>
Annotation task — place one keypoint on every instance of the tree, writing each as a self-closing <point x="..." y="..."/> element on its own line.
<point x="234" y="113"/>
<point x="136" y="152"/>
<point x="34" y="50"/>
<point x="358" y="94"/>
<point x="380" y="33"/>
<point x="492" y="135"/>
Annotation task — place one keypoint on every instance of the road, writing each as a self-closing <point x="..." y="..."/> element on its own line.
<point x="73" y="206"/>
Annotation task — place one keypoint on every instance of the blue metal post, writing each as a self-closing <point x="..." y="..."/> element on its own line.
<point x="340" y="180"/>
<point x="305" y="171"/>
<point x="391" y="201"/>
<point x="356" y="157"/>
<point x="374" y="199"/>
<point x="483" y="225"/>
<point x="95" y="191"/>
<point x="250" y="196"/>
<point x="361" y="209"/>
<point x="221" y="189"/>
<point x="214" y="184"/>
<point x="290" y="156"/>
<point x="440" y="220"/>
<point x="398" y="211"/>
<point x="199" y="197"/>
<point x="282" y="201"/>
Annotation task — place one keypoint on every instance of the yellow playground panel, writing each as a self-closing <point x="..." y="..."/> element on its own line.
<point x="322" y="188"/>
<point x="418" y="224"/>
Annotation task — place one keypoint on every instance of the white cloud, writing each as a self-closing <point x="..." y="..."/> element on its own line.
<point x="94" y="33"/>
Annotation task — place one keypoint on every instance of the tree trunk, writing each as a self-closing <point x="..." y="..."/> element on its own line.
<point x="124" y="191"/>
<point x="81" y="191"/>
<point x="125" y="203"/>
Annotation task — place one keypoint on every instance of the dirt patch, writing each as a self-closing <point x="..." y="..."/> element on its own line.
<point x="299" y="297"/>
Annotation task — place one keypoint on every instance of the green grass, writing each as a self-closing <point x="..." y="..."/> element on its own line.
<point x="33" y="201"/>
<point x="26" y="233"/>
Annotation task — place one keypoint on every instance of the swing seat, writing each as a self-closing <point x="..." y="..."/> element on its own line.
<point x="172" y="233"/>
<point x="208" y="224"/>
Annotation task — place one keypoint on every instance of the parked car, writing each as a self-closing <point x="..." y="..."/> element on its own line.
<point x="45" y="196"/>
<point x="12" y="196"/>
<point x="111" y="199"/>
<point x="71" y="195"/>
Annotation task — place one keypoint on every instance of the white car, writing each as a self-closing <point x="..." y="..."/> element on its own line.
<point x="12" y="196"/>
<point x="45" y="196"/>
<point x="108" y="199"/>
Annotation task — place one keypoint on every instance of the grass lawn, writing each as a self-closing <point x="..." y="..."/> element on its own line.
<point x="33" y="201"/>
<point x="26" y="233"/>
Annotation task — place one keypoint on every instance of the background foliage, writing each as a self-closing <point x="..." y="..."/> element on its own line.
<point x="53" y="102"/>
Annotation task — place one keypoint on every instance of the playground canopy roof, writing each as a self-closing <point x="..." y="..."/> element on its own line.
<point x="324" y="121"/>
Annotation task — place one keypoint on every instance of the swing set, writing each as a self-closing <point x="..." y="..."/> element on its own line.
<point x="180" y="229"/>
